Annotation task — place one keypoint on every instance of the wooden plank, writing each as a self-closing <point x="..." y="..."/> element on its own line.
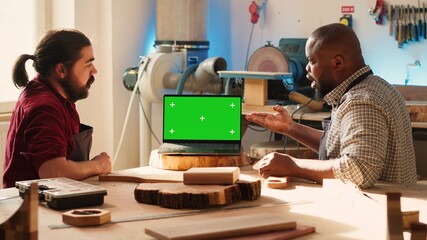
<point x="412" y="93"/>
<point x="222" y="227"/>
<point x="211" y="175"/>
<point x="143" y="175"/>
<point x="299" y="231"/>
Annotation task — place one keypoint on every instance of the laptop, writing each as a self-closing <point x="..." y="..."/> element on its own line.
<point x="201" y="125"/>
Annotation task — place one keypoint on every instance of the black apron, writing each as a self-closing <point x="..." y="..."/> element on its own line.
<point x="83" y="143"/>
<point x="326" y="123"/>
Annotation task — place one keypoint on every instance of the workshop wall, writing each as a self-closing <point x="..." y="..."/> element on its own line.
<point x="229" y="34"/>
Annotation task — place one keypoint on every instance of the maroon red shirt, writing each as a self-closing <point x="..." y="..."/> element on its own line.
<point x="41" y="128"/>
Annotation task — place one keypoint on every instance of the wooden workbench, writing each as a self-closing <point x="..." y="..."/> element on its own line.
<point x="337" y="211"/>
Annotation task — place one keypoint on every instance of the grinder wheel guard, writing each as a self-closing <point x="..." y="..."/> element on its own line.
<point x="274" y="59"/>
<point x="271" y="59"/>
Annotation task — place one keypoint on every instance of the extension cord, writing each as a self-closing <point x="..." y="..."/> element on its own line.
<point x="314" y="105"/>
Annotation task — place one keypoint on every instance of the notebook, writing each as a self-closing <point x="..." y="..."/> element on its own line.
<point x="201" y="125"/>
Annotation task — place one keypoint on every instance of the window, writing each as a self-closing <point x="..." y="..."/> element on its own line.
<point x="18" y="21"/>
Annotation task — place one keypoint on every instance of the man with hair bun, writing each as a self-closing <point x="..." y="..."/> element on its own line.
<point x="45" y="137"/>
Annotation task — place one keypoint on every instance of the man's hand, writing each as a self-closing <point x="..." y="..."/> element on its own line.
<point x="276" y="164"/>
<point x="103" y="163"/>
<point x="279" y="122"/>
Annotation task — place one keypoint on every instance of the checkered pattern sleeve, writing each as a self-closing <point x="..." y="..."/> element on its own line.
<point x="363" y="142"/>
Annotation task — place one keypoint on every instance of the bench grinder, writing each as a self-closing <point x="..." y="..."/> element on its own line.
<point x="288" y="57"/>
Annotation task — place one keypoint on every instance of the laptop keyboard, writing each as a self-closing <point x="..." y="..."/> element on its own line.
<point x="208" y="147"/>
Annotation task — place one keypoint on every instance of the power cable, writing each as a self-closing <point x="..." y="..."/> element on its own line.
<point x="143" y="61"/>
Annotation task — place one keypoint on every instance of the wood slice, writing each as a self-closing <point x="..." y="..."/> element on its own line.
<point x="249" y="190"/>
<point x="182" y="163"/>
<point x="179" y="196"/>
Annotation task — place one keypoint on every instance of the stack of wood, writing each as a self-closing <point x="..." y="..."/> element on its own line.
<point x="202" y="188"/>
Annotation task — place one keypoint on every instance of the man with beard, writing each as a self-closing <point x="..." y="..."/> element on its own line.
<point x="369" y="135"/>
<point x="45" y="137"/>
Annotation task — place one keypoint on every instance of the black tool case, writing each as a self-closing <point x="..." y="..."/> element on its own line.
<point x="64" y="193"/>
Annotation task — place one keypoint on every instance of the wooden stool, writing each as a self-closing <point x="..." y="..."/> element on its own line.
<point x="259" y="150"/>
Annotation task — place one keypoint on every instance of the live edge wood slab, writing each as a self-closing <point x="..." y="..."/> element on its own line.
<point x="182" y="163"/>
<point x="180" y="196"/>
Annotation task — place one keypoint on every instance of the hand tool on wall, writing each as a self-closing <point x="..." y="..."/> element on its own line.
<point x="396" y="22"/>
<point x="402" y="28"/>
<point x="408" y="24"/>
<point x="420" y="22"/>
<point x="414" y="25"/>
<point x="424" y="21"/>
<point x="390" y="19"/>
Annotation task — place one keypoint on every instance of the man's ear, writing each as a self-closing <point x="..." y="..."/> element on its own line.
<point x="60" y="70"/>
<point x="338" y="62"/>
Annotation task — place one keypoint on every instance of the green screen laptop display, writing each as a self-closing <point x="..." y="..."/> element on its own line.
<point x="201" y="124"/>
<point x="201" y="117"/>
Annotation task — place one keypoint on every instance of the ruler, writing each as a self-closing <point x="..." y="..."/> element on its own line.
<point x="183" y="214"/>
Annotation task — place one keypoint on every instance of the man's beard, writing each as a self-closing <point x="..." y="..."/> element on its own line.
<point x="324" y="86"/>
<point x="74" y="92"/>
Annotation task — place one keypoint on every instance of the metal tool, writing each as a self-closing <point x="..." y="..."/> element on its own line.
<point x="390" y="19"/>
<point x="396" y="22"/>
<point x="190" y="213"/>
<point x="424" y="21"/>
<point x="402" y="27"/>
<point x="414" y="25"/>
<point x="408" y="23"/>
<point x="420" y="24"/>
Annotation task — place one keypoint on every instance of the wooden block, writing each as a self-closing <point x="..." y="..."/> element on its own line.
<point x="219" y="228"/>
<point x="256" y="92"/>
<point x="86" y="217"/>
<point x="410" y="217"/>
<point x="212" y="175"/>
<point x="418" y="231"/>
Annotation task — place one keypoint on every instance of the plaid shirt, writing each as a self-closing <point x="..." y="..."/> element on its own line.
<point x="370" y="137"/>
